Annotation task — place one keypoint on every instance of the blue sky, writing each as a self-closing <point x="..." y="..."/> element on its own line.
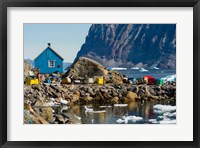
<point x="65" y="39"/>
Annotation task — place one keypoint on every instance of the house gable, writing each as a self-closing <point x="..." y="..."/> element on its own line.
<point x="45" y="58"/>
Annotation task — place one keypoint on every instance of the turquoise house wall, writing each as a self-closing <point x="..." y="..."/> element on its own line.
<point x="41" y="61"/>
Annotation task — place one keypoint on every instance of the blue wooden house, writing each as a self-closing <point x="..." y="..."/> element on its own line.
<point x="49" y="61"/>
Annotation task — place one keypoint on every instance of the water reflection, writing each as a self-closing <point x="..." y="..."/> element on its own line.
<point x="104" y="114"/>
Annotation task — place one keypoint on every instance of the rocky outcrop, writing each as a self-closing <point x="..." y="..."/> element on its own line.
<point x="45" y="104"/>
<point x="85" y="67"/>
<point x="128" y="45"/>
<point x="27" y="68"/>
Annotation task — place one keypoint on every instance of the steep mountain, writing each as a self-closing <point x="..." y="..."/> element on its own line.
<point x="129" y="45"/>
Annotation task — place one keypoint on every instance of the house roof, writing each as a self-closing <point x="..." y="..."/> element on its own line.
<point x="52" y="51"/>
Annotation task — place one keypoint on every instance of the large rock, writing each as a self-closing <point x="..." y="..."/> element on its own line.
<point x="84" y="68"/>
<point x="131" y="96"/>
<point x="113" y="77"/>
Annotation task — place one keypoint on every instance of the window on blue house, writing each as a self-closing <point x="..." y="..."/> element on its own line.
<point x="52" y="63"/>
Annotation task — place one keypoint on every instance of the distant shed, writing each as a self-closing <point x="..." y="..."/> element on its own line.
<point x="49" y="61"/>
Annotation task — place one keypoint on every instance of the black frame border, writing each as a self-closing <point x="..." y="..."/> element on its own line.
<point x="99" y="3"/>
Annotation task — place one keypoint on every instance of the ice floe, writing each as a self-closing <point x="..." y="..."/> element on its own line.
<point x="163" y="108"/>
<point x="170" y="115"/>
<point x="118" y="68"/>
<point x="156" y="68"/>
<point x="170" y="78"/>
<point x="120" y="105"/>
<point x="135" y="68"/>
<point x="154" y="121"/>
<point x="167" y="114"/>
<point x="105" y="106"/>
<point x="90" y="110"/>
<point x="129" y="119"/>
<point x="167" y="122"/>
<point x="143" y="70"/>
<point x="98" y="111"/>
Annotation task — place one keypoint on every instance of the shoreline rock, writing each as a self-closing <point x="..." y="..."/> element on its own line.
<point x="49" y="102"/>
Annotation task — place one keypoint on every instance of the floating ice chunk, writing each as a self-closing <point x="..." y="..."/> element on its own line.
<point x="159" y="118"/>
<point x="120" y="121"/>
<point x="164" y="121"/>
<point x="102" y="106"/>
<point x="135" y="68"/>
<point x="105" y="106"/>
<point x="163" y="108"/>
<point x="120" y="105"/>
<point x="90" y="110"/>
<point x="154" y="121"/>
<point x="168" y="114"/>
<point x="169" y="78"/>
<point x="134" y="118"/>
<point x="118" y="68"/>
<point x="167" y="122"/>
<point x="143" y="70"/>
<point x="130" y="119"/>
<point x="156" y="67"/>
<point x="99" y="111"/>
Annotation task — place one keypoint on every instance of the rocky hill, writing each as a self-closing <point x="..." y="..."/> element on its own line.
<point x="27" y="68"/>
<point x="129" y="45"/>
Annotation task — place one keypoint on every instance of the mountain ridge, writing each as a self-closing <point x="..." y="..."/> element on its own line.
<point x="131" y="45"/>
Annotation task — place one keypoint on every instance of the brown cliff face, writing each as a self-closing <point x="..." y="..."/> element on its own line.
<point x="128" y="45"/>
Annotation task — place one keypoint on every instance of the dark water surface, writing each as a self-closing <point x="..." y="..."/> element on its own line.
<point x="160" y="73"/>
<point x="110" y="114"/>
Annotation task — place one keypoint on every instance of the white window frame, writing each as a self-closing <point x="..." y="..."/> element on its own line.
<point x="54" y="63"/>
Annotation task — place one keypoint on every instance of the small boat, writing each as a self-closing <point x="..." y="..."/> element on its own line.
<point x="143" y="70"/>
